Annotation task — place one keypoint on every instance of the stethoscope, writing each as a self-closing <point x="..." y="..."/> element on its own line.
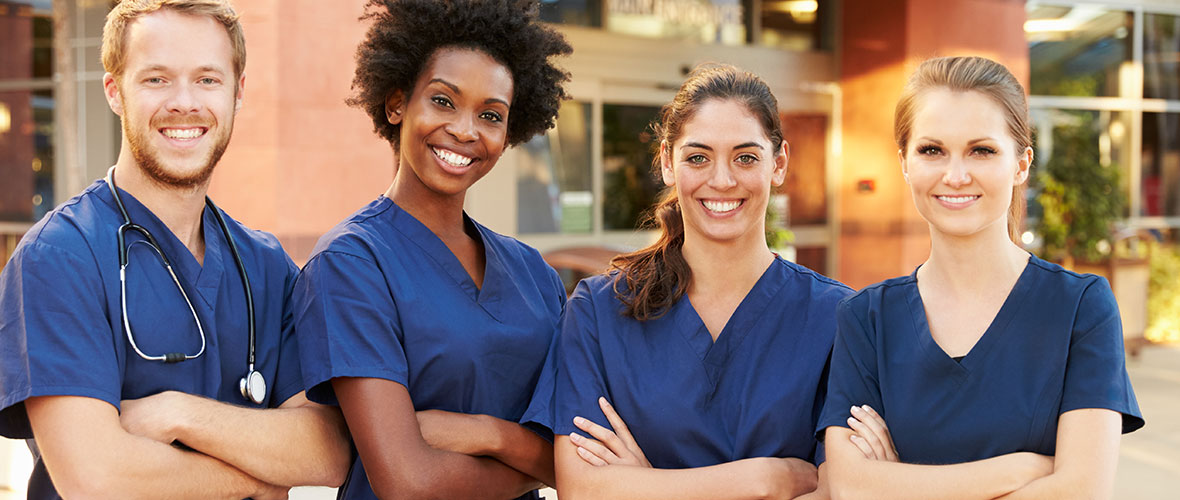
<point x="253" y="385"/>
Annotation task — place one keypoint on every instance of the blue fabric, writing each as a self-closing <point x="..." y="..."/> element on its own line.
<point x="61" y="330"/>
<point x="383" y="297"/>
<point x="1055" y="345"/>
<point x="690" y="402"/>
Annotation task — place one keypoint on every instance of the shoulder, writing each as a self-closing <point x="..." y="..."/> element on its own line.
<point x="862" y="303"/>
<point x="1089" y="296"/>
<point x="261" y="244"/>
<point x="514" y="250"/>
<point x="356" y="234"/>
<point x="75" y="228"/>
<point x="820" y="287"/>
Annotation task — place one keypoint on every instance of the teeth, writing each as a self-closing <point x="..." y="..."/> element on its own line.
<point x="453" y="158"/>
<point x="721" y="206"/>
<point x="183" y="133"/>
<point x="957" y="199"/>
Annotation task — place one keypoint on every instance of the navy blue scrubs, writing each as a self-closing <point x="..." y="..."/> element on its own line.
<point x="383" y="297"/>
<point x="690" y="401"/>
<point x="61" y="325"/>
<point x="1055" y="345"/>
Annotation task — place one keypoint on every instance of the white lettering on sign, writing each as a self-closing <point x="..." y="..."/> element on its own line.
<point x="690" y="12"/>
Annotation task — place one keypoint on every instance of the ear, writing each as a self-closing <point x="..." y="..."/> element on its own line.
<point x="395" y="105"/>
<point x="666" y="170"/>
<point x="110" y="90"/>
<point x="904" y="169"/>
<point x="1024" y="166"/>
<point x="241" y="91"/>
<point x="781" y="159"/>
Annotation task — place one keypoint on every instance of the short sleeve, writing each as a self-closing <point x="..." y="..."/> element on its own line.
<point x="1096" y="370"/>
<point x="55" y="337"/>
<point x="852" y="379"/>
<point x="346" y="324"/>
<point x="288" y="377"/>
<point x="579" y="375"/>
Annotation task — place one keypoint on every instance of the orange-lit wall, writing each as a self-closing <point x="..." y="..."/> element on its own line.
<point x="300" y="160"/>
<point x="881" y="234"/>
<point x="16" y="138"/>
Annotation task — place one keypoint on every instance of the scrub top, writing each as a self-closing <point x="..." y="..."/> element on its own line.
<point x="1055" y="345"/>
<point x="383" y="297"/>
<point x="61" y="324"/>
<point x="689" y="401"/>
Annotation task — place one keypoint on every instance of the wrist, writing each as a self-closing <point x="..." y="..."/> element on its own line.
<point x="493" y="439"/>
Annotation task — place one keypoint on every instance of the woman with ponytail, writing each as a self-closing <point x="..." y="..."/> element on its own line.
<point x="695" y="368"/>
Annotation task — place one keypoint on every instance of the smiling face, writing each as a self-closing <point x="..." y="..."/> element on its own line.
<point x="454" y="124"/>
<point x="177" y="96"/>
<point x="962" y="164"/>
<point x="722" y="167"/>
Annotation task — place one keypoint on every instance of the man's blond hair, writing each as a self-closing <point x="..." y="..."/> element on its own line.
<point x="114" y="33"/>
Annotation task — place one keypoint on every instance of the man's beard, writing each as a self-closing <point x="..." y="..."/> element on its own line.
<point x="149" y="161"/>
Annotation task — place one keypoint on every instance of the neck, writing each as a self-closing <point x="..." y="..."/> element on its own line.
<point x="179" y="208"/>
<point x="442" y="214"/>
<point x="726" y="266"/>
<point x="976" y="262"/>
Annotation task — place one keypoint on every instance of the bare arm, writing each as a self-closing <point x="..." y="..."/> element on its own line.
<point x="89" y="455"/>
<point x="1087" y="455"/>
<point x="399" y="462"/>
<point x="483" y="435"/>
<point x="853" y="475"/>
<point x="298" y="444"/>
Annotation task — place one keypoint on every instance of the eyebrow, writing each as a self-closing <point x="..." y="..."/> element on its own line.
<point x="455" y="88"/>
<point x="161" y="67"/>
<point x="744" y="145"/>
<point x="972" y="141"/>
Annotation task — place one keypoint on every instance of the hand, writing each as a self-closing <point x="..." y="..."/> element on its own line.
<point x="155" y="417"/>
<point x="613" y="448"/>
<point x="454" y="432"/>
<point x="871" y="434"/>
<point x="789" y="477"/>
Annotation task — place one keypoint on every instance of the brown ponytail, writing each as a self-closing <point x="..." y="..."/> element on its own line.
<point x="649" y="281"/>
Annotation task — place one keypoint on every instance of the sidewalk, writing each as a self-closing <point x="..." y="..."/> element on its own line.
<point x="1149" y="463"/>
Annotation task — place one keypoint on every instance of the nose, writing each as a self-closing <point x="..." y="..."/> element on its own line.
<point x="462" y="128"/>
<point x="722" y="177"/>
<point x="183" y="100"/>
<point x="956" y="174"/>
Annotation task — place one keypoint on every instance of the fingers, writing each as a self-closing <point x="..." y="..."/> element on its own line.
<point x="621" y="429"/>
<point x="866" y="433"/>
<point x="593" y="452"/>
<point x="602" y="434"/>
<point x="886" y="437"/>
<point x="863" y="446"/>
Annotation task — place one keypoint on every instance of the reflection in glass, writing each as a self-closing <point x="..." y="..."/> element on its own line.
<point x="1161" y="56"/>
<point x="705" y="21"/>
<point x="1069" y="142"/>
<point x="629" y="185"/>
<point x="1160" y="176"/>
<point x="575" y="12"/>
<point x="553" y="177"/>
<point x="26" y="154"/>
<point x="795" y="24"/>
<point x="1077" y="51"/>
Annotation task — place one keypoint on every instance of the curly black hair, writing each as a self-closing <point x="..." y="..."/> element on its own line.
<point x="405" y="33"/>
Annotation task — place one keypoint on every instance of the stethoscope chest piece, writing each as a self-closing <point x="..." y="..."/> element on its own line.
<point x="253" y="387"/>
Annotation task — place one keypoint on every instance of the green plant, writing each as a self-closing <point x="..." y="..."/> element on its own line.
<point x="1080" y="198"/>
<point x="777" y="236"/>
<point x="1163" y="295"/>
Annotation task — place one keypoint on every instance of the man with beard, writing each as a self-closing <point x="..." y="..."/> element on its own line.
<point x="145" y="337"/>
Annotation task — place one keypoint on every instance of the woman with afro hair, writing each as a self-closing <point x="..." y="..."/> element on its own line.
<point x="427" y="329"/>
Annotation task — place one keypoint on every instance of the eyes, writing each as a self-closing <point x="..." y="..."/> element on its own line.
<point x="745" y="159"/>
<point x="157" y="81"/>
<point x="931" y="150"/>
<point x="445" y="102"/>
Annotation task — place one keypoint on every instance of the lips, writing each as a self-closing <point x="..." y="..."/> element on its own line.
<point x="451" y="161"/>
<point x="722" y="206"/>
<point x="957" y="201"/>
<point x="183" y="133"/>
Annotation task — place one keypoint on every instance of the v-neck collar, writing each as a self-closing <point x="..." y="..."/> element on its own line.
<point x="204" y="277"/>
<point x="496" y="277"/>
<point x="715" y="354"/>
<point x="938" y="359"/>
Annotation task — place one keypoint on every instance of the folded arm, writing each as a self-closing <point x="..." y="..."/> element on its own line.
<point x="399" y="461"/>
<point x="89" y="455"/>
<point x="1087" y="456"/>
<point x="488" y="436"/>
<point x="298" y="444"/>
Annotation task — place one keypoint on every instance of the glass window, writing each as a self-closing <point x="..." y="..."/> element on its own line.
<point x="576" y="12"/>
<point x="629" y="185"/>
<point x="1161" y="56"/>
<point x="1160" y="176"/>
<point x="1069" y="141"/>
<point x="26" y="154"/>
<point x="553" y="179"/>
<point x="795" y="24"/>
<point x="1077" y="51"/>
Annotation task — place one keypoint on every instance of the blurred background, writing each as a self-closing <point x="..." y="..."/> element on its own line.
<point x="1103" y="78"/>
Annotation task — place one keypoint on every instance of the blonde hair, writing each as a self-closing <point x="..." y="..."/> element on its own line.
<point x="977" y="74"/>
<point x="114" y="32"/>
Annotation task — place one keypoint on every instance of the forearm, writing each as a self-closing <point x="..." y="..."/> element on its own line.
<point x="291" y="446"/>
<point x="729" y="481"/>
<point x="981" y="480"/>
<point x="443" y="474"/>
<point x="89" y="455"/>
<point x="523" y="450"/>
<point x="1054" y="487"/>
